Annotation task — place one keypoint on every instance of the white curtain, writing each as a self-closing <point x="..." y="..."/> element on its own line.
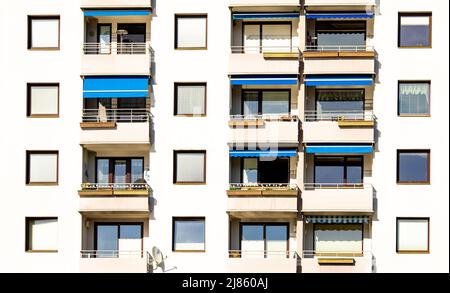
<point x="338" y="238"/>
<point x="43" y="234"/>
<point x="191" y="100"/>
<point x="414" y="98"/>
<point x="44" y="33"/>
<point x="44" y="100"/>
<point x="191" y="32"/>
<point x="412" y="234"/>
<point x="190" y="167"/>
<point x="250" y="170"/>
<point x="43" y="167"/>
<point x="276" y="38"/>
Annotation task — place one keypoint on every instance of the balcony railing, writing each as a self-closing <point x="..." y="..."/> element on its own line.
<point x="339" y="48"/>
<point x="116" y="115"/>
<point x="114" y="186"/>
<point x="311" y="186"/>
<point x="335" y="254"/>
<point x="264" y="49"/>
<point x="311" y="116"/>
<point x="265" y="117"/>
<point x="116" y="48"/>
<point x="113" y="254"/>
<point x="263" y="186"/>
<point x="262" y="254"/>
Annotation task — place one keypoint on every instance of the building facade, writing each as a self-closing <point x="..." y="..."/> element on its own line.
<point x="225" y="136"/>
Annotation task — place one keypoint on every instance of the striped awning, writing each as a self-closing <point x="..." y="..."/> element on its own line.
<point x="353" y="15"/>
<point x="116" y="12"/>
<point x="281" y="79"/>
<point x="339" y="80"/>
<point x="337" y="219"/>
<point x="277" y="15"/>
<point x="259" y="153"/>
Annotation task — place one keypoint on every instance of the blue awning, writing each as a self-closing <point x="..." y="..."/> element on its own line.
<point x="259" y="153"/>
<point x="354" y="15"/>
<point x="115" y="87"/>
<point x="278" y="15"/>
<point x="339" y="149"/>
<point x="339" y="80"/>
<point x="264" y="79"/>
<point x="116" y="12"/>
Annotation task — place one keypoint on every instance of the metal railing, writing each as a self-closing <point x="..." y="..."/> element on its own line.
<point x="265" y="117"/>
<point x="336" y="254"/>
<point x="339" y="116"/>
<point x="263" y="186"/>
<point x="116" y="48"/>
<point x="114" y="186"/>
<point x="339" y="48"/>
<point x="112" y="254"/>
<point x="310" y="186"/>
<point x="262" y="254"/>
<point x="264" y="49"/>
<point x="116" y="115"/>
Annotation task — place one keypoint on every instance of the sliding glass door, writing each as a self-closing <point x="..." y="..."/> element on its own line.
<point x="266" y="102"/>
<point x="338" y="170"/>
<point x="264" y="240"/>
<point x="334" y="103"/>
<point x="267" y="37"/>
<point x="118" y="240"/>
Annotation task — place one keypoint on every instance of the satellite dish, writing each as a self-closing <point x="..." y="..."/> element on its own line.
<point x="147" y="176"/>
<point x="158" y="257"/>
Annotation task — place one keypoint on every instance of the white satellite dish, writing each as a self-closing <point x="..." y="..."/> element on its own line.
<point x="147" y="176"/>
<point x="158" y="257"/>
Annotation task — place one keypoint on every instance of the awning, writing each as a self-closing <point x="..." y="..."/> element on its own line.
<point x="115" y="87"/>
<point x="336" y="219"/>
<point x="278" y="15"/>
<point x="288" y="79"/>
<point x="339" y="80"/>
<point x="354" y="15"/>
<point x="339" y="149"/>
<point x="116" y="12"/>
<point x="258" y="153"/>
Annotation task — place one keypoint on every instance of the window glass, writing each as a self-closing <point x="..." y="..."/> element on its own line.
<point x="42" y="234"/>
<point x="107" y="240"/>
<point x="250" y="170"/>
<point x="276" y="38"/>
<point x="338" y="238"/>
<point x="338" y="170"/>
<point x="250" y="103"/>
<point x="276" y="241"/>
<point x="44" y="32"/>
<point x="189" y="234"/>
<point x="190" y="99"/>
<point x="414" y="98"/>
<point x="43" y="100"/>
<point x="43" y="167"/>
<point x="252" y="241"/>
<point x="120" y="171"/>
<point x="412" y="235"/>
<point x="137" y="170"/>
<point x="190" y="167"/>
<point x="275" y="102"/>
<point x="340" y="101"/>
<point x="333" y="34"/>
<point x="191" y="32"/>
<point x="413" y="166"/>
<point x="103" y="171"/>
<point x="415" y="30"/>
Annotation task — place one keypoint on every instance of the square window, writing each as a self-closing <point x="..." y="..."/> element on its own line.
<point x="190" y="99"/>
<point x="413" y="166"/>
<point x="413" y="98"/>
<point x="41" y="234"/>
<point x="43" y="100"/>
<point x="42" y="168"/>
<point x="189" y="167"/>
<point x="190" y="32"/>
<point x="188" y="234"/>
<point x="414" y="30"/>
<point x="413" y="235"/>
<point x="43" y="32"/>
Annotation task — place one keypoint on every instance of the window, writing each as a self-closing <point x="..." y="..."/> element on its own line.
<point x="189" y="167"/>
<point x="340" y="33"/>
<point x="120" y="170"/>
<point x="43" y="32"/>
<point x="338" y="238"/>
<point x="338" y="170"/>
<point x="255" y="170"/>
<point x="268" y="240"/>
<point x="414" y="30"/>
<point x="260" y="37"/>
<point x="413" y="166"/>
<point x="188" y="234"/>
<point x="413" y="98"/>
<point x="190" y="99"/>
<point x="43" y="100"/>
<point x="261" y="102"/>
<point x="41" y="234"/>
<point x="413" y="235"/>
<point x="42" y="168"/>
<point x="118" y="239"/>
<point x="334" y="103"/>
<point x="190" y="32"/>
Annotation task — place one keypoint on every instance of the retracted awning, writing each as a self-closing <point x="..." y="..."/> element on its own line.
<point x="259" y="153"/>
<point x="352" y="15"/>
<point x="339" y="80"/>
<point x="115" y="87"/>
<point x="116" y="12"/>
<point x="337" y="219"/>
<point x="288" y="79"/>
<point x="277" y="15"/>
<point x="339" y="149"/>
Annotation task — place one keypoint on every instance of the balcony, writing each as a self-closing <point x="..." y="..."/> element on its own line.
<point x="95" y="261"/>
<point x="257" y="3"/>
<point x="337" y="262"/>
<point x="339" y="127"/>
<point x="116" y="3"/>
<point x="339" y="197"/>
<point x="313" y="4"/>
<point x="262" y="262"/>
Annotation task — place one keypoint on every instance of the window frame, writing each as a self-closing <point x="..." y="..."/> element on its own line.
<point x="30" y="19"/>
<point x="412" y="251"/>
<point x="27" y="168"/>
<point x="30" y="85"/>
<point x="27" y="237"/>
<point x="426" y="182"/>
<point x="260" y="99"/>
<point x="345" y="165"/>
<point x="175" y="219"/>
<point x="111" y="161"/>
<point x="429" y="98"/>
<point x="205" y="98"/>
<point x="118" y="224"/>
<point x="175" y="162"/>
<point x="430" y="30"/>
<point x="193" y="15"/>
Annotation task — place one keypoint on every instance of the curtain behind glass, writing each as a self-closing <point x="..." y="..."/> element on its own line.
<point x="414" y="98"/>
<point x="191" y="100"/>
<point x="190" y="167"/>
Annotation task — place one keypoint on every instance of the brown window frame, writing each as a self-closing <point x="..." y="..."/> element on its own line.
<point x="30" y="100"/>
<point x="426" y="182"/>
<point x="175" y="107"/>
<point x="27" y="168"/>
<point x="27" y="238"/>
<point x="430" y="30"/>
<point x="111" y="161"/>
<point x="199" y="15"/>
<point x="175" y="219"/>
<point x="175" y="153"/>
<point x="429" y="98"/>
<point x="29" y="32"/>
<point x="412" y="251"/>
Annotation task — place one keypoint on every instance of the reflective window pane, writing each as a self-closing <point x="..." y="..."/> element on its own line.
<point x="130" y="231"/>
<point x="415" y="30"/>
<point x="137" y="170"/>
<point x="107" y="240"/>
<point x="275" y="102"/>
<point x="103" y="171"/>
<point x="250" y="103"/>
<point x="189" y="234"/>
<point x="413" y="166"/>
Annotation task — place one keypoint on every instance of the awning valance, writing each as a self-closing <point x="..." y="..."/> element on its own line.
<point x="339" y="149"/>
<point x="259" y="153"/>
<point x="116" y="12"/>
<point x="339" y="80"/>
<point x="352" y="15"/>
<point x="288" y="79"/>
<point x="277" y="15"/>
<point x="337" y="219"/>
<point x="115" y="87"/>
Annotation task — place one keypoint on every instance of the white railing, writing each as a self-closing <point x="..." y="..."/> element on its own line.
<point x="264" y="49"/>
<point x="262" y="254"/>
<point x="263" y="186"/>
<point x="336" y="254"/>
<point x="112" y="254"/>
<point x="339" y="116"/>
<point x="116" y="48"/>
<point x="309" y="186"/>
<point x="339" y="48"/>
<point x="265" y="117"/>
<point x="116" y="115"/>
<point x="114" y="186"/>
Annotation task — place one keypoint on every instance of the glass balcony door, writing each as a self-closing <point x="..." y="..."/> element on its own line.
<point x="332" y="104"/>
<point x="266" y="102"/>
<point x="118" y="240"/>
<point x="338" y="170"/>
<point x="104" y="38"/>
<point x="264" y="240"/>
<point x="119" y="170"/>
<point x="267" y="37"/>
